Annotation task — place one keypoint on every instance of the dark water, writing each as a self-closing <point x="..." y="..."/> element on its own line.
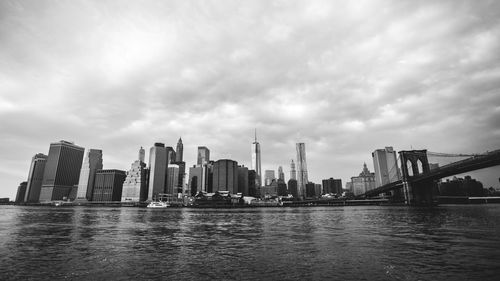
<point x="316" y="243"/>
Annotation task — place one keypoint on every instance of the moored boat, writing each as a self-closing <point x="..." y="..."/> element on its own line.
<point x="158" y="204"/>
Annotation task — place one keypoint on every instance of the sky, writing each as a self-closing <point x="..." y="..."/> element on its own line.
<point x="343" y="77"/>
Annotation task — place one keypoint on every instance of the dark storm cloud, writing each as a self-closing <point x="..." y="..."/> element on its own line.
<point x="344" y="77"/>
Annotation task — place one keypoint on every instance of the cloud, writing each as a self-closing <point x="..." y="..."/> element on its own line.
<point x="344" y="77"/>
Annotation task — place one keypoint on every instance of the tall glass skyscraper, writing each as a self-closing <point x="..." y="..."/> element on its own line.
<point x="302" y="178"/>
<point x="62" y="170"/>
<point x="256" y="165"/>
<point x="91" y="163"/>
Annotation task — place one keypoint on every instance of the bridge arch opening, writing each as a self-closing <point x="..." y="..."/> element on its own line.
<point x="409" y="168"/>
<point x="420" y="167"/>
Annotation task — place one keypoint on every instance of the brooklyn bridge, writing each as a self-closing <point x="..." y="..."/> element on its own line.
<point x="418" y="181"/>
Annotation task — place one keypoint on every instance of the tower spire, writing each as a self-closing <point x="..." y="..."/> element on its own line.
<point x="255" y="134"/>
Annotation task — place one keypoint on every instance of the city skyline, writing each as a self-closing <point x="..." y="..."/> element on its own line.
<point x="346" y="78"/>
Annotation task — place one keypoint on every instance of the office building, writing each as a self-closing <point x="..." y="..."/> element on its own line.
<point x="269" y="177"/>
<point x="332" y="186"/>
<point x="135" y="186"/>
<point x="203" y="155"/>
<point x="62" y="170"/>
<point x="179" y="151"/>
<point x="35" y="178"/>
<point x="385" y="166"/>
<point x="157" y="170"/>
<point x="108" y="185"/>
<point x="292" y="188"/>
<point x="21" y="192"/>
<point x="281" y="175"/>
<point x="282" y="188"/>
<point x="243" y="183"/>
<point x="364" y="182"/>
<point x="256" y="164"/>
<point x="172" y="179"/>
<point x="142" y="155"/>
<point x="91" y="163"/>
<point x="293" y="172"/>
<point x="171" y="155"/>
<point x="252" y="187"/>
<point x="302" y="176"/>
<point x="225" y="176"/>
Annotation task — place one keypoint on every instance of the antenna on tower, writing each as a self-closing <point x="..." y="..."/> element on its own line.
<point x="255" y="134"/>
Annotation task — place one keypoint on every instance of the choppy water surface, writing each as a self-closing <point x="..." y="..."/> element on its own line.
<point x="315" y="243"/>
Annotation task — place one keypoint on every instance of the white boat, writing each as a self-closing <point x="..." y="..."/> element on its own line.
<point x="158" y="204"/>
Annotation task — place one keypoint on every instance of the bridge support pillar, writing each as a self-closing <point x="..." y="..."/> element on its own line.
<point x="420" y="194"/>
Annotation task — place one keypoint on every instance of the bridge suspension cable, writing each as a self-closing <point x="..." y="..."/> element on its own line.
<point x="439" y="154"/>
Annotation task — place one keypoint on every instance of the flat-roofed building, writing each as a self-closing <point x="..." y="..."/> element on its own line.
<point x="62" y="170"/>
<point x="108" y="185"/>
<point x="35" y="178"/>
<point x="225" y="176"/>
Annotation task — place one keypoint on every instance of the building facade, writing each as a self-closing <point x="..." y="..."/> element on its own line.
<point x="172" y="179"/>
<point x="243" y="183"/>
<point x="157" y="170"/>
<point x="269" y="177"/>
<point x="179" y="152"/>
<point x="21" y="192"/>
<point x="281" y="175"/>
<point x="302" y="175"/>
<point x="91" y="163"/>
<point x="385" y="166"/>
<point x="108" y="185"/>
<point x="62" y="171"/>
<point x="35" y="178"/>
<point x="135" y="186"/>
<point x="225" y="176"/>
<point x="293" y="172"/>
<point x="332" y="186"/>
<point x="364" y="182"/>
<point x="203" y="155"/>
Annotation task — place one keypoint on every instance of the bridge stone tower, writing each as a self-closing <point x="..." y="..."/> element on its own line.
<point x="413" y="164"/>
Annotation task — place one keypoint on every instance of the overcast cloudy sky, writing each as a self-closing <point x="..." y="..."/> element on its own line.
<point x="345" y="77"/>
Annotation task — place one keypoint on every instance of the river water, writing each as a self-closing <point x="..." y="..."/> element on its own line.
<point x="310" y="243"/>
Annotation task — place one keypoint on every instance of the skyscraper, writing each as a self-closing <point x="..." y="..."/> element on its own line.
<point x="172" y="179"/>
<point x="385" y="164"/>
<point x="293" y="172"/>
<point x="135" y="186"/>
<point x="157" y="170"/>
<point x="91" y="163"/>
<point x="142" y="155"/>
<point x="268" y="177"/>
<point x="203" y="155"/>
<point x="62" y="170"/>
<point x="225" y="176"/>
<point x="281" y="175"/>
<point x="256" y="164"/>
<point x="21" y="192"/>
<point x="302" y="178"/>
<point x="179" y="151"/>
<point x="35" y="178"/>
<point x="243" y="181"/>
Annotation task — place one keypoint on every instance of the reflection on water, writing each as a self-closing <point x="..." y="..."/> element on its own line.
<point x="317" y="243"/>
